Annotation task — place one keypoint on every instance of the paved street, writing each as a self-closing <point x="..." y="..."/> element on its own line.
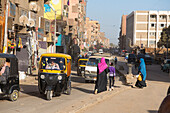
<point x="123" y="99"/>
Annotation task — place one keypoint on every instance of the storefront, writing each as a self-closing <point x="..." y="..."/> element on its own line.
<point x="23" y="54"/>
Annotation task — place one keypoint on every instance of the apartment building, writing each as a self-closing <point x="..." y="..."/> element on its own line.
<point x="104" y="41"/>
<point x="73" y="18"/>
<point x="22" y="30"/>
<point x="143" y="28"/>
<point x="122" y="34"/>
<point x="92" y="32"/>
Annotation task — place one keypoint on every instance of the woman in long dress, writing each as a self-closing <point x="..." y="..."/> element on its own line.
<point x="142" y="73"/>
<point x="101" y="82"/>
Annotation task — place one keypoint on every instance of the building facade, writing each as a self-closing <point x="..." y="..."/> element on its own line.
<point x="105" y="42"/>
<point x="122" y="34"/>
<point x="2" y="23"/>
<point x="143" y="28"/>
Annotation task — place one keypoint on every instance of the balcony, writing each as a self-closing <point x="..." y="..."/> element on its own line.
<point x="17" y="2"/>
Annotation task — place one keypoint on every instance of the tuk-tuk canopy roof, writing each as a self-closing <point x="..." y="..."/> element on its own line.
<point x="3" y="55"/>
<point x="56" y="55"/>
<point x="83" y="59"/>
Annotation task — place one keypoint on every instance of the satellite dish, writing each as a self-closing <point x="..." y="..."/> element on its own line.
<point x="23" y="20"/>
<point x="33" y="6"/>
<point x="31" y="23"/>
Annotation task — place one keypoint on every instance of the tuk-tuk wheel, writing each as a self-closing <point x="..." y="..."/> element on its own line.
<point x="14" y="95"/>
<point x="87" y="81"/>
<point x="68" y="91"/>
<point x="49" y="95"/>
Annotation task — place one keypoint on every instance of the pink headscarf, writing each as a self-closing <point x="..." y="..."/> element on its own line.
<point x="102" y="65"/>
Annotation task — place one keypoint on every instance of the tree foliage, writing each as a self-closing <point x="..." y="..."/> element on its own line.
<point x="111" y="44"/>
<point x="165" y="38"/>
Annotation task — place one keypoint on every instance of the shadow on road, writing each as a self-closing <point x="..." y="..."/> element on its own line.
<point x="154" y="73"/>
<point x="77" y="79"/>
<point x="31" y="90"/>
<point x="84" y="90"/>
<point x="74" y="74"/>
<point x="152" y="111"/>
<point x="117" y="87"/>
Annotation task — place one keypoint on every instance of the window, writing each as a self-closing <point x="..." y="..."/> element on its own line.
<point x="152" y="25"/>
<point x="162" y="25"/>
<point x="152" y="33"/>
<point x="74" y="9"/>
<point x="153" y="16"/>
<point x="23" y="12"/>
<point x="162" y="17"/>
<point x="53" y="63"/>
<point x="151" y="42"/>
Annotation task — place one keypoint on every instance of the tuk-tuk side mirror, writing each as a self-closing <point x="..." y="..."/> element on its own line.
<point x="38" y="59"/>
<point x="68" y="60"/>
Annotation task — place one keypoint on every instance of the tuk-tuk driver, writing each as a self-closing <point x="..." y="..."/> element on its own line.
<point x="5" y="70"/>
<point x="53" y="66"/>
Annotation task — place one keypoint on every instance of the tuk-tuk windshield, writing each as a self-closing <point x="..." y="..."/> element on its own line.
<point x="82" y="62"/>
<point x="53" y="63"/>
<point x="92" y="62"/>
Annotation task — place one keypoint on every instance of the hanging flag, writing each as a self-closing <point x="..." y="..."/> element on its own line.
<point x="68" y="2"/>
<point x="20" y="43"/>
<point x="13" y="44"/>
<point x="47" y="8"/>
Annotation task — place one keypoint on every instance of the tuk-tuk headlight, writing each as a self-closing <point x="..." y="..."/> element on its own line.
<point x="59" y="77"/>
<point x="42" y="76"/>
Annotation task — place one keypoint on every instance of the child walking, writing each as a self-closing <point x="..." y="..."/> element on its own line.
<point x="112" y="74"/>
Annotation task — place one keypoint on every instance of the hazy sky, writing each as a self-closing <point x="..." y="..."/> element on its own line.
<point x="109" y="12"/>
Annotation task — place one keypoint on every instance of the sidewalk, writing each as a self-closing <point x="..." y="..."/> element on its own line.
<point x="91" y="100"/>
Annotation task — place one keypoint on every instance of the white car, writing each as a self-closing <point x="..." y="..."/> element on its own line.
<point x="91" y="67"/>
<point x="101" y="51"/>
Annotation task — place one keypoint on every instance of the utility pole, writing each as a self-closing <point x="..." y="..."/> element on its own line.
<point x="167" y="47"/>
<point x="155" y="47"/>
<point x="6" y="29"/>
<point x="54" y="26"/>
<point x="55" y="33"/>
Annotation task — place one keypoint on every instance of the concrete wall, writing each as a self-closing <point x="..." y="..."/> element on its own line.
<point x="130" y="30"/>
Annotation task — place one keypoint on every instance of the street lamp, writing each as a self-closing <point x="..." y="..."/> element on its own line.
<point x="54" y="26"/>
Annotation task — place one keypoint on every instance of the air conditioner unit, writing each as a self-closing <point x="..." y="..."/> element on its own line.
<point x="33" y="6"/>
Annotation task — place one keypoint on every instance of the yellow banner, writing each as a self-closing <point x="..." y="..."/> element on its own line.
<point x="48" y="11"/>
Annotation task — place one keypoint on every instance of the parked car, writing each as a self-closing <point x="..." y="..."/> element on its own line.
<point x="91" y="67"/>
<point x="165" y="66"/>
<point x="131" y="58"/>
<point x="123" y="53"/>
<point x="101" y="51"/>
<point x="148" y="59"/>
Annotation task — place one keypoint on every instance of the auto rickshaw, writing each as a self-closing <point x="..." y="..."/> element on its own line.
<point x="9" y="82"/>
<point x="54" y="75"/>
<point x="81" y="66"/>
